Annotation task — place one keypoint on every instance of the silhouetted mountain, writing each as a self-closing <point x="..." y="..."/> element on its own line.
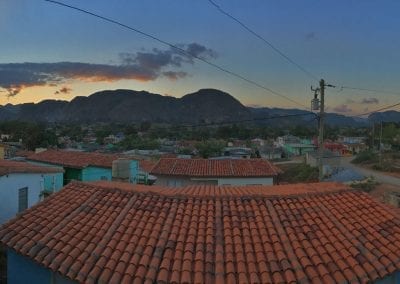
<point x="387" y="116"/>
<point x="203" y="106"/>
<point x="206" y="105"/>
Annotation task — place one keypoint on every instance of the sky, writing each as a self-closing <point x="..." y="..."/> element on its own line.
<point x="52" y="52"/>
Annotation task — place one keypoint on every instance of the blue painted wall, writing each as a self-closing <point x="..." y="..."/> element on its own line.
<point x="21" y="270"/>
<point x="391" y="279"/>
<point x="53" y="182"/>
<point x="96" y="173"/>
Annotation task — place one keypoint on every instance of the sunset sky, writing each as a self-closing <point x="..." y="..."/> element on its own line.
<point x="51" y="52"/>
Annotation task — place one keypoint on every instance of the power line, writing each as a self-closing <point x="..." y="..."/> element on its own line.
<point x="183" y="51"/>
<point x="304" y="70"/>
<point x="377" y="110"/>
<point x="368" y="90"/>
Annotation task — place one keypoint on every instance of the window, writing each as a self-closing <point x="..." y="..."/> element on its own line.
<point x="22" y="199"/>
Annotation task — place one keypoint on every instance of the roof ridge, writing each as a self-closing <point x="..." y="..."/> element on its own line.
<point x="212" y="191"/>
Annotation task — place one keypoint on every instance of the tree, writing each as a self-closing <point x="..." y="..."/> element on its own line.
<point x="210" y="148"/>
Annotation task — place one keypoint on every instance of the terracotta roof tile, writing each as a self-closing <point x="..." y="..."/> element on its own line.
<point x="117" y="233"/>
<point x="74" y="159"/>
<point x="12" y="167"/>
<point x="215" y="168"/>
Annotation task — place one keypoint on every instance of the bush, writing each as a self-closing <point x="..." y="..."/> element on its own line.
<point x="295" y="173"/>
<point x="366" y="157"/>
<point x="366" y="185"/>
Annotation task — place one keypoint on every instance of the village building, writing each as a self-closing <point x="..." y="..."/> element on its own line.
<point x="181" y="172"/>
<point x="109" y="232"/>
<point x="22" y="185"/>
<point x="331" y="161"/>
<point x="83" y="166"/>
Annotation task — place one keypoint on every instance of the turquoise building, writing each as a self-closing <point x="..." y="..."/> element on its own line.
<point x="83" y="166"/>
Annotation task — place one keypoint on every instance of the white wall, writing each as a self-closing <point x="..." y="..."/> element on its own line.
<point x="175" y="181"/>
<point x="9" y="185"/>
<point x="246" y="181"/>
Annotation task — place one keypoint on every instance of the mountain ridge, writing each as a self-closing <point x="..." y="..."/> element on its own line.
<point x="203" y="106"/>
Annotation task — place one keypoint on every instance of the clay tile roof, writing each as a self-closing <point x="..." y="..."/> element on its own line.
<point x="146" y="165"/>
<point x="215" y="168"/>
<point x="12" y="167"/>
<point x="115" y="232"/>
<point x="74" y="159"/>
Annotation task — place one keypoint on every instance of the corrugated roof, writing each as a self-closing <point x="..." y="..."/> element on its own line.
<point x="10" y="167"/>
<point x="119" y="233"/>
<point x="215" y="168"/>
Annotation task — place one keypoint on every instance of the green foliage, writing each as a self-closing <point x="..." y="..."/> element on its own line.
<point x="134" y="142"/>
<point x="295" y="173"/>
<point x="210" y="148"/>
<point x="366" y="185"/>
<point x="33" y="135"/>
<point x="366" y="157"/>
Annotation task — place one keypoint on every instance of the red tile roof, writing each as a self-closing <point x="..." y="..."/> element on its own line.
<point x="146" y="165"/>
<point x="119" y="233"/>
<point x="74" y="159"/>
<point x="215" y="168"/>
<point x="12" y="167"/>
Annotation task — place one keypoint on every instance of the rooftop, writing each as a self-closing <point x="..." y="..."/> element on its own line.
<point x="113" y="232"/>
<point x="74" y="159"/>
<point x="215" y="168"/>
<point x="13" y="167"/>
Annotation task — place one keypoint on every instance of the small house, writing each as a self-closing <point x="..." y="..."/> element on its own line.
<point x="82" y="166"/>
<point x="22" y="185"/>
<point x="181" y="172"/>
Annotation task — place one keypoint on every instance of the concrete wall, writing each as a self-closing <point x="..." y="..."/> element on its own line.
<point x="173" y="181"/>
<point x="9" y="186"/>
<point x="21" y="270"/>
<point x="246" y="181"/>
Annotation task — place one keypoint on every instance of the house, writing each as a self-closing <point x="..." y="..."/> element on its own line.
<point x="298" y="149"/>
<point x="109" y="232"/>
<point x="331" y="161"/>
<point x="271" y="152"/>
<point x="182" y="172"/>
<point x="22" y="185"/>
<point x="238" y="152"/>
<point x="82" y="166"/>
<point x="287" y="139"/>
<point x="7" y="151"/>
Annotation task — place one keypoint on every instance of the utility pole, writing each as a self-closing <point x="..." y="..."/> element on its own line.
<point x="321" y="130"/>
<point x="380" y="147"/>
<point x="321" y="106"/>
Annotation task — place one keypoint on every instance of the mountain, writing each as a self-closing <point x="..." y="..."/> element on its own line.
<point x="206" y="105"/>
<point x="203" y="106"/>
<point x="387" y="116"/>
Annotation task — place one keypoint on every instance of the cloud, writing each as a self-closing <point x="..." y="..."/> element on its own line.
<point x="350" y="101"/>
<point x="142" y="66"/>
<point x="370" y="101"/>
<point x="63" y="90"/>
<point x="342" y="109"/>
<point x="174" y="75"/>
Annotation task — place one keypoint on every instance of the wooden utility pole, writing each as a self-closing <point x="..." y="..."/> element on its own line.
<point x="321" y="130"/>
